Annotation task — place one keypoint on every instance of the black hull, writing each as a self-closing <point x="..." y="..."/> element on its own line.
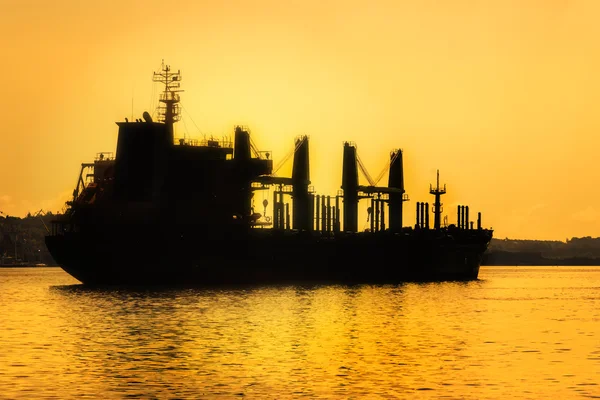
<point x="268" y="257"/>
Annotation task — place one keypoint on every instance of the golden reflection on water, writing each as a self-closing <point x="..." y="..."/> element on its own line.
<point x="515" y="333"/>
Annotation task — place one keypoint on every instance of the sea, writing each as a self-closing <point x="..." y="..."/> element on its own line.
<point x="515" y="333"/>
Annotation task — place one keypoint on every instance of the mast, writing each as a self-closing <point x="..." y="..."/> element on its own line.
<point x="437" y="206"/>
<point x="169" y="112"/>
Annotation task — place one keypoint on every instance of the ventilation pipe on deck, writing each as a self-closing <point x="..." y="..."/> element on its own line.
<point x="311" y="212"/>
<point x="275" y="211"/>
<point x="323" y="214"/>
<point x="372" y="215"/>
<point x="376" y="215"/>
<point x="382" y="216"/>
<point x="317" y="214"/>
<point x="336" y="225"/>
<point x="281" y="209"/>
<point x="332" y="218"/>
<point x="328" y="214"/>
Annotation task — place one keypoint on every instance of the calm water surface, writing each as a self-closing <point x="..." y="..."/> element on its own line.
<point x="516" y="333"/>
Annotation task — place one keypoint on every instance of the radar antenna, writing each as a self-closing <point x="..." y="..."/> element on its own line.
<point x="169" y="112"/>
<point x="437" y="205"/>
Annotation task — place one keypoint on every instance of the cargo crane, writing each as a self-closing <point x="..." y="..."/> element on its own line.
<point x="321" y="213"/>
<point x="393" y="195"/>
<point x="298" y="187"/>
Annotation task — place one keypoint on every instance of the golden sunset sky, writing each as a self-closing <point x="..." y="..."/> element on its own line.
<point x="503" y="96"/>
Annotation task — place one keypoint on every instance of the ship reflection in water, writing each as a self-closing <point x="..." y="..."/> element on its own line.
<point x="515" y="333"/>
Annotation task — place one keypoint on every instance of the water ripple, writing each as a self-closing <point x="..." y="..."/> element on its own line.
<point x="526" y="333"/>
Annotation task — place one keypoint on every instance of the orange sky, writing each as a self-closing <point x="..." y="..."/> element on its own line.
<point x="501" y="95"/>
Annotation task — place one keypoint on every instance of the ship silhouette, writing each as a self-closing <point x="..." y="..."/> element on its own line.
<point x="167" y="211"/>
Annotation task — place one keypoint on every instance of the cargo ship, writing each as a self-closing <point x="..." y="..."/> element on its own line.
<point x="163" y="210"/>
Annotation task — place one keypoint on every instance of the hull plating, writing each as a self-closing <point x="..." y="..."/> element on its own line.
<point x="268" y="257"/>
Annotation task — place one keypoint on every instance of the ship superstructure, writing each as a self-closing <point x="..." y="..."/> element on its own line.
<point x="163" y="209"/>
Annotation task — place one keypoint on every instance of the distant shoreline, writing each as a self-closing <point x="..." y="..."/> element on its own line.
<point x="503" y="258"/>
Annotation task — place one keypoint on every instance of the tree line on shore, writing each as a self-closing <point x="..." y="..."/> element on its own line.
<point x="22" y="239"/>
<point x="583" y="247"/>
